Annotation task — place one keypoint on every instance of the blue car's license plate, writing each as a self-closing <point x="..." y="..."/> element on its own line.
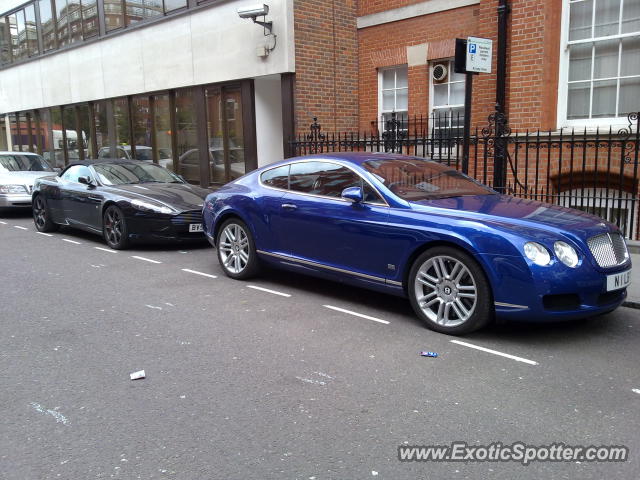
<point x="618" y="280"/>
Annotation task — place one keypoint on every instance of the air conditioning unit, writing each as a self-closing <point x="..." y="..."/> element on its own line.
<point x="439" y="72"/>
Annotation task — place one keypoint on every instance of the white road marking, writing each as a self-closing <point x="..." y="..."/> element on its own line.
<point x="54" y="413"/>
<point x="338" y="309"/>
<point x="45" y="234"/>
<point x="153" y="307"/>
<point x="106" y="249"/>
<point x="198" y="273"/>
<point x="308" y="380"/>
<point x="262" y="289"/>
<point x="21" y="228"/>
<point x="324" y="375"/>
<point x="495" y="352"/>
<point x="71" y="241"/>
<point x="636" y="390"/>
<point x="145" y="259"/>
<point x="3" y="223"/>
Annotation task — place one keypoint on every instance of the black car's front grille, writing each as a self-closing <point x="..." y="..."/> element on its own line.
<point x="185" y="218"/>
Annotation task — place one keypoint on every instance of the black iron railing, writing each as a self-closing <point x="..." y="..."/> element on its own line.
<point x="595" y="170"/>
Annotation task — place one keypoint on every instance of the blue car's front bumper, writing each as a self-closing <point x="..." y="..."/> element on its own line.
<point x="527" y="292"/>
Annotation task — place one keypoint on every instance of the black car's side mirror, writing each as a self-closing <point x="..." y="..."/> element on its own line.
<point x="86" y="181"/>
<point x="353" y="194"/>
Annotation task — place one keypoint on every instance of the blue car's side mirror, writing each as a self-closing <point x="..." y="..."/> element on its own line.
<point x="353" y="194"/>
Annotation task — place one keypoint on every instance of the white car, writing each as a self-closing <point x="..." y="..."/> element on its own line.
<point x="18" y="172"/>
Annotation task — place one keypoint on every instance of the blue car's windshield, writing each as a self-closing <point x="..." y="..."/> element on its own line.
<point x="416" y="179"/>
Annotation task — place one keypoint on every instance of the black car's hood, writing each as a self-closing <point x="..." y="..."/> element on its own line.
<point x="180" y="196"/>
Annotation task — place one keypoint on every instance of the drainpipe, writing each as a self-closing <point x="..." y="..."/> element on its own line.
<point x="500" y="151"/>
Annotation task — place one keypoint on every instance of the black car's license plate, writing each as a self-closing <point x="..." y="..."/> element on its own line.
<point x="195" y="227"/>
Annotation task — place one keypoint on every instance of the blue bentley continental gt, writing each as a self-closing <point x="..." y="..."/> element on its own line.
<point x="462" y="253"/>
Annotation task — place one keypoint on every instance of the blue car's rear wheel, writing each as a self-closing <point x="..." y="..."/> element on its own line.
<point x="449" y="291"/>
<point x="236" y="250"/>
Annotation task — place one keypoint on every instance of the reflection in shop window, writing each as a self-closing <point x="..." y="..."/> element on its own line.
<point x="123" y="130"/>
<point x="141" y="10"/>
<point x="89" y="18"/>
<point x="102" y="125"/>
<point x="48" y="25"/>
<point x="170" y="5"/>
<point x="186" y="136"/>
<point x="142" y="128"/>
<point x="113" y="14"/>
<point x="31" y="30"/>
<point x="5" y="41"/>
<point x="163" y="131"/>
<point x="46" y="133"/>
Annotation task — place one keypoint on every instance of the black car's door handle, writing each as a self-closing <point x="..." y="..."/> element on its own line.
<point x="289" y="206"/>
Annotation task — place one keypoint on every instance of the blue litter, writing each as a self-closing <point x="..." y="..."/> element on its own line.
<point x="428" y="354"/>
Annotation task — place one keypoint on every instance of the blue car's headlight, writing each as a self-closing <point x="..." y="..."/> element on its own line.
<point x="566" y="254"/>
<point x="537" y="253"/>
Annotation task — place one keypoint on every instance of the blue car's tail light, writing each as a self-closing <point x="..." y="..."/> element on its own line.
<point x="537" y="253"/>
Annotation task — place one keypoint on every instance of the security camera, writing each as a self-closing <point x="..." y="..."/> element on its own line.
<point x="254" y="11"/>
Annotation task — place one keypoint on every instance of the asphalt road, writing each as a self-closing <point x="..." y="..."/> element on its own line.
<point x="246" y="383"/>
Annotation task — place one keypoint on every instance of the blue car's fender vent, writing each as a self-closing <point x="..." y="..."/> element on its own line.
<point x="184" y="218"/>
<point x="609" y="249"/>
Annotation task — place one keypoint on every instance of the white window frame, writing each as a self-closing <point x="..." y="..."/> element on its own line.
<point x="563" y="78"/>
<point x="450" y="66"/>
<point x="381" y="111"/>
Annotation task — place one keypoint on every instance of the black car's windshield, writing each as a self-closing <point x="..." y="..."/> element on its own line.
<point x="23" y="163"/>
<point x="128" y="173"/>
<point x="415" y="179"/>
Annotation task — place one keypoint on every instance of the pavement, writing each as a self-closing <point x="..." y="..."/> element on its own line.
<point x="281" y="377"/>
<point x="633" y="291"/>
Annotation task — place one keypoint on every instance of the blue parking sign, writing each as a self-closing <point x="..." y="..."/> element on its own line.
<point x="472" y="48"/>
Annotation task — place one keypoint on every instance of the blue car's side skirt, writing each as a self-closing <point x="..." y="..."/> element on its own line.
<point x="334" y="273"/>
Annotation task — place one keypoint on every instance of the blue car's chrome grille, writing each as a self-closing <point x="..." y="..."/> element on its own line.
<point x="185" y="218"/>
<point x="609" y="249"/>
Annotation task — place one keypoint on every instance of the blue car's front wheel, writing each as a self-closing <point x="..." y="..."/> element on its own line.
<point x="449" y="291"/>
<point x="236" y="250"/>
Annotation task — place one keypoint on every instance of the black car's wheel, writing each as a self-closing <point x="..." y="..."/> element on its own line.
<point x="41" y="216"/>
<point x="114" y="228"/>
<point x="236" y="250"/>
<point x="449" y="291"/>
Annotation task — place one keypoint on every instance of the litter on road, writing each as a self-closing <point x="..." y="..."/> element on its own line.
<point x="428" y="354"/>
<point x="137" y="375"/>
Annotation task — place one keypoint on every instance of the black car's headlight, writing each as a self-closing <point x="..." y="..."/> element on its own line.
<point x="150" y="207"/>
<point x="13" y="189"/>
<point x="566" y="254"/>
<point x="537" y="253"/>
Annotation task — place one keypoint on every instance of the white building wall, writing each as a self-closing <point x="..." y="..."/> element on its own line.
<point x="207" y="45"/>
<point x="269" y="119"/>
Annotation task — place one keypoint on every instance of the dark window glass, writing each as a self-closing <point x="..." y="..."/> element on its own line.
<point x="5" y="41"/>
<point x="174" y="4"/>
<point x="186" y="135"/>
<point x="73" y="173"/>
<point x="141" y="10"/>
<point x="46" y="134"/>
<point x="322" y="178"/>
<point x="32" y="32"/>
<point x="48" y="25"/>
<point x="62" y="22"/>
<point x="24" y="132"/>
<point x="21" y="29"/>
<point x="74" y="144"/>
<point x="85" y="131"/>
<point x="121" y="114"/>
<point x="89" y="18"/>
<point x="142" y="128"/>
<point x="75" y="20"/>
<point x="113" y="14"/>
<point x="13" y="34"/>
<point x="276" y="177"/>
<point x="102" y="125"/>
<point x="163" y="131"/>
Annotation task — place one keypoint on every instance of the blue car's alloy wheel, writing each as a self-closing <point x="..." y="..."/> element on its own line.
<point x="236" y="250"/>
<point x="449" y="292"/>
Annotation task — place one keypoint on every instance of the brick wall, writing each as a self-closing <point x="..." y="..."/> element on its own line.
<point x="386" y="45"/>
<point x="326" y="84"/>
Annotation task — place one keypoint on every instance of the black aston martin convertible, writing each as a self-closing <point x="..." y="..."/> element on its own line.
<point x="123" y="200"/>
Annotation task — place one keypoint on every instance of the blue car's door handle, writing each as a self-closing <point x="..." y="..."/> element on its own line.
<point x="289" y="206"/>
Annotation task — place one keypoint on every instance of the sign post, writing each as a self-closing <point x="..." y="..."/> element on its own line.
<point x="473" y="56"/>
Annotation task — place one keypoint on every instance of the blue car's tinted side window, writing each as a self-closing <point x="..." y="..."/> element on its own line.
<point x="276" y="177"/>
<point x="322" y="178"/>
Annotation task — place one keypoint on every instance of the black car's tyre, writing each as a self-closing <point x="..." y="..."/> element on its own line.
<point x="449" y="291"/>
<point x="114" y="228"/>
<point x="237" y="250"/>
<point x="41" y="216"/>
